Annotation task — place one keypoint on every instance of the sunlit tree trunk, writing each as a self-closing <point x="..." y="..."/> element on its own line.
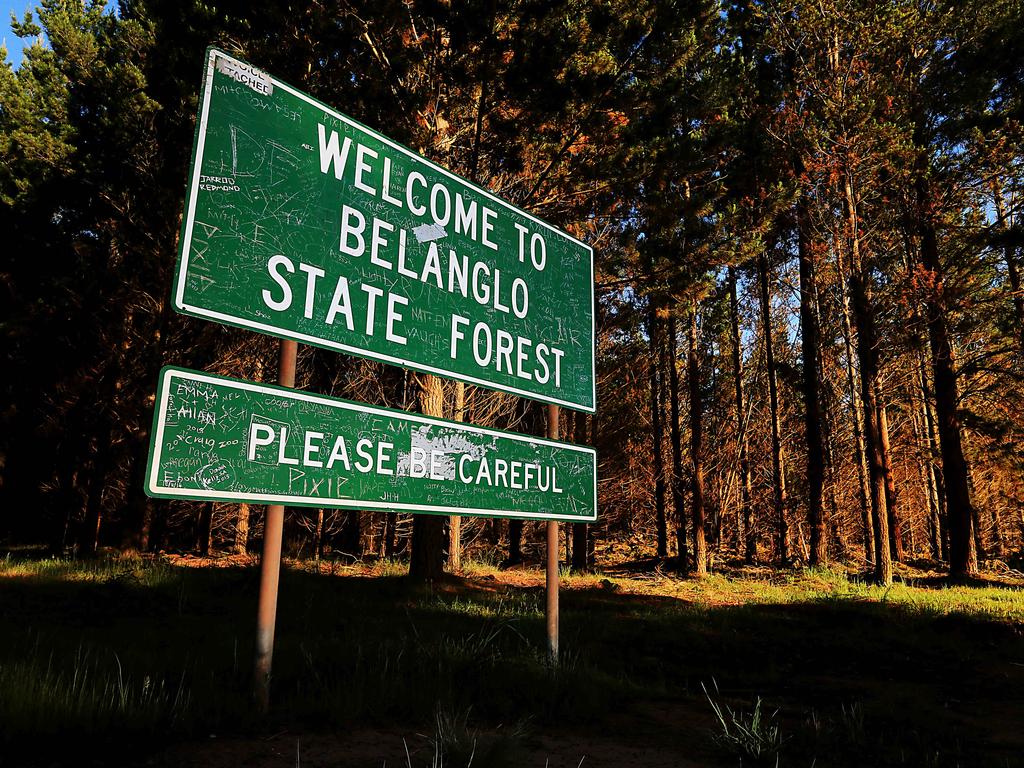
<point x="934" y="469"/>
<point x="778" y="455"/>
<point x="891" y="499"/>
<point x="857" y="418"/>
<point x="812" y="396"/>
<point x="581" y="531"/>
<point x="954" y="465"/>
<point x="204" y="532"/>
<point x="868" y="354"/>
<point x="242" y="529"/>
<point x="455" y="522"/>
<point x="426" y="561"/>
<point x="318" y="535"/>
<point x="654" y="334"/>
<point x="745" y="534"/>
<point x="924" y="477"/>
<point x="700" y="547"/>
<point x="678" y="502"/>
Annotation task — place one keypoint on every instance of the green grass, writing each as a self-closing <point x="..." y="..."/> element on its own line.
<point x="114" y="654"/>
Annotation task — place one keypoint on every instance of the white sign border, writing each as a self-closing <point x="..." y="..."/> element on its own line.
<point x="153" y="487"/>
<point x="188" y="226"/>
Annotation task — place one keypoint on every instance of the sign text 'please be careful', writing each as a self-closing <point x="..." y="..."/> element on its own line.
<point x="227" y="440"/>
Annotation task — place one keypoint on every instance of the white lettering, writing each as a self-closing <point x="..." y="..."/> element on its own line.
<point x="520" y="298"/>
<point x="259" y="435"/>
<point x="384" y="455"/>
<point x="341" y="304"/>
<point x="309" y="450"/>
<point x="410" y="200"/>
<point x="349" y="214"/>
<point x="378" y="241"/>
<point x="439" y="218"/>
<point x="339" y="453"/>
<point x="372" y="293"/>
<point x="487" y="226"/>
<point x="457" y="334"/>
<point x="275" y="275"/>
<point x="329" y="154"/>
<point x="393" y="317"/>
<point x="362" y="167"/>
<point x="281" y="458"/>
<point x="417" y="462"/>
<point x="363" y="452"/>
<point x="436" y="459"/>
<point x="312" y="273"/>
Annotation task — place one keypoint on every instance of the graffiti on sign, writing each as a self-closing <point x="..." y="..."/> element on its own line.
<point x="304" y="224"/>
<point x="227" y="440"/>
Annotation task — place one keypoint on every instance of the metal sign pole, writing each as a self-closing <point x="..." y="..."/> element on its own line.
<point x="551" y="604"/>
<point x="270" y="563"/>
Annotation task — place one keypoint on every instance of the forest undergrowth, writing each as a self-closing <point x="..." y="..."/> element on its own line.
<point x="129" y="657"/>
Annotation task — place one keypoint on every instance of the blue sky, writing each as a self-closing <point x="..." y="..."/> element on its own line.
<point x="12" y="43"/>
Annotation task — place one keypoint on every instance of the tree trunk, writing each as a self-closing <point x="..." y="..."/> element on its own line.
<point x="745" y="522"/>
<point x="978" y="550"/>
<point x="592" y="529"/>
<point x="891" y="499"/>
<point x="318" y="535"/>
<point x="580" y="532"/>
<point x="141" y="509"/>
<point x="954" y="465"/>
<point x="863" y="490"/>
<point x="678" y="501"/>
<point x="656" y="428"/>
<point x="515" y="542"/>
<point x="88" y="541"/>
<point x="924" y="477"/>
<point x="455" y="522"/>
<point x="997" y="531"/>
<point x="579" y="562"/>
<point x="812" y="396"/>
<point x="388" y="544"/>
<point x="204" y="534"/>
<point x="868" y="354"/>
<point x="426" y="561"/>
<point x="700" y="547"/>
<point x="350" y="540"/>
<point x="778" y="456"/>
<point x="242" y="529"/>
<point x="934" y="470"/>
<point x="1009" y="255"/>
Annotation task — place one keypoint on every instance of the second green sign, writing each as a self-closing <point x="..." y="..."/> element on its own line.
<point x="226" y="440"/>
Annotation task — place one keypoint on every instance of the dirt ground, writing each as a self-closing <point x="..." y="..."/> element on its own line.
<point x="666" y="735"/>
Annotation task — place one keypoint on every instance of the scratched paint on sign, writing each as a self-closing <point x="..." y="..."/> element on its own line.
<point x="223" y="439"/>
<point x="302" y="223"/>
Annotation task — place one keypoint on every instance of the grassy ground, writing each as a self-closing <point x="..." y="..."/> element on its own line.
<point x="127" y="661"/>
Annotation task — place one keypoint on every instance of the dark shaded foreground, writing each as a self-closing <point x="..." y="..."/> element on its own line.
<point x="148" y="664"/>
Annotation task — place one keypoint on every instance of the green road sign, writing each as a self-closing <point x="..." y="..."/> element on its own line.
<point x="222" y="439"/>
<point x="304" y="224"/>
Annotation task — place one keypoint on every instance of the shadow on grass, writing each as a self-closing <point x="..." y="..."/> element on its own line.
<point x="115" y="660"/>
